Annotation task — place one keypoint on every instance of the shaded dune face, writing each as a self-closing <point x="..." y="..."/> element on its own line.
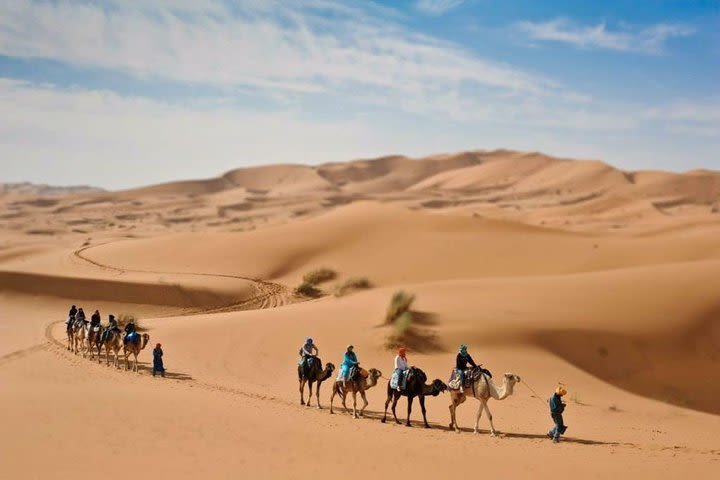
<point x="553" y="269"/>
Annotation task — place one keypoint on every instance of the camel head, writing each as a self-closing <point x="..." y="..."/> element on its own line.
<point x="512" y="378"/>
<point x="329" y="368"/>
<point x="375" y="374"/>
<point x="438" y="387"/>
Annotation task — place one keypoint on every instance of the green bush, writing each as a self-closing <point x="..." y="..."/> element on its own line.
<point x="318" y="276"/>
<point x="400" y="303"/>
<point x="355" y="283"/>
<point x="307" y="289"/>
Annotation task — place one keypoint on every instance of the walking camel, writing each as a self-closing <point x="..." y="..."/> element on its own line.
<point x="113" y="341"/>
<point x="414" y="387"/>
<point x="482" y="388"/>
<point x="133" y="347"/>
<point x="79" y="334"/>
<point x="311" y="371"/>
<point x="70" y="331"/>
<point x="92" y="341"/>
<point x="358" y="385"/>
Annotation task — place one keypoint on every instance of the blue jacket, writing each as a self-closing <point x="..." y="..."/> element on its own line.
<point x="349" y="360"/>
<point x="556" y="405"/>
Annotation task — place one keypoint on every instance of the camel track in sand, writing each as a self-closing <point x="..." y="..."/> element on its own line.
<point x="267" y="294"/>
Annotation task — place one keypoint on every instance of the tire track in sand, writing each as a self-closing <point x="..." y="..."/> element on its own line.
<point x="267" y="294"/>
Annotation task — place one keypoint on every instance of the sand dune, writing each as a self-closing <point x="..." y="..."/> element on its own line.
<point x="553" y="269"/>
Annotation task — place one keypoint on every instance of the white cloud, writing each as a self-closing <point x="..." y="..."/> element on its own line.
<point x="437" y="7"/>
<point x="284" y="46"/>
<point x="649" y="40"/>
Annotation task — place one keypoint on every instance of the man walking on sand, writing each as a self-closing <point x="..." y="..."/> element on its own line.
<point x="557" y="407"/>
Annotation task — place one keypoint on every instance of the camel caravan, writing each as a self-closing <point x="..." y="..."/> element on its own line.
<point x="88" y="338"/>
<point x="466" y="380"/>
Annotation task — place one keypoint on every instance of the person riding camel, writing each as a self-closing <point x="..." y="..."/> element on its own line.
<point x="399" y="376"/>
<point x="308" y="352"/>
<point x="130" y="331"/>
<point x="80" y="315"/>
<point x="95" y="320"/>
<point x="71" y="314"/>
<point x="461" y="364"/>
<point x="349" y="361"/>
<point x="71" y="318"/>
<point x="112" y="327"/>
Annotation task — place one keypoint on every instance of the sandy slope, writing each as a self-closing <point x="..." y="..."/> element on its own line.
<point x="518" y="255"/>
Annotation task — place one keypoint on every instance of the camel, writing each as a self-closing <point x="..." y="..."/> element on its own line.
<point x="92" y="341"/>
<point x="310" y="373"/>
<point x="113" y="342"/>
<point x="79" y="334"/>
<point x="360" y="385"/>
<point x="482" y="389"/>
<point x="134" y="348"/>
<point x="415" y="387"/>
<point x="70" y="333"/>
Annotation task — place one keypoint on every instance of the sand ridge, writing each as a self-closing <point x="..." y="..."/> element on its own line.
<point x="552" y="269"/>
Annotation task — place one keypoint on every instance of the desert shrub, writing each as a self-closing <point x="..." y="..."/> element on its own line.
<point x="307" y="289"/>
<point x="125" y="318"/>
<point x="400" y="303"/>
<point x="402" y="331"/>
<point x="355" y="283"/>
<point x="318" y="276"/>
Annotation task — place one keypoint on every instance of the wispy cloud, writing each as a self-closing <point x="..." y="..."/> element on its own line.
<point x="284" y="46"/>
<point x="437" y="7"/>
<point x="648" y="40"/>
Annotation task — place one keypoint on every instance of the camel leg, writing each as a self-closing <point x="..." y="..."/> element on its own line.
<point x="492" y="427"/>
<point x="422" y="407"/>
<point x="302" y="391"/>
<point x="344" y="400"/>
<point x="410" y="401"/>
<point x="477" y="417"/>
<point x="332" y="397"/>
<point x="455" y="402"/>
<point x="354" y="413"/>
<point x="365" y="402"/>
<point x="310" y="384"/>
<point x="387" y="402"/>
<point x="394" y="404"/>
<point x="135" y="365"/>
<point x="317" y="395"/>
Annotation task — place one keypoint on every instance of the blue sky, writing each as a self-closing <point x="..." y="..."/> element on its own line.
<point x="119" y="94"/>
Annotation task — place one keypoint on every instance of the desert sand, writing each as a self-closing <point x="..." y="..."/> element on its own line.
<point x="556" y="270"/>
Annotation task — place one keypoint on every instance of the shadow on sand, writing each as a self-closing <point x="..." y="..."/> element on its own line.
<point x="376" y="415"/>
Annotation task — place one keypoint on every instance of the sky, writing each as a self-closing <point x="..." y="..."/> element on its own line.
<point x="120" y="93"/>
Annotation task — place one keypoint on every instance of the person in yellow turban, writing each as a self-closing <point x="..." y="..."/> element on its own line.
<point x="557" y="407"/>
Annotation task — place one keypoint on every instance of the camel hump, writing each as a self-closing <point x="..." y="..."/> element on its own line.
<point x="416" y="372"/>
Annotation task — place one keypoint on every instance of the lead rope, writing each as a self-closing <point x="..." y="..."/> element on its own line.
<point x="533" y="392"/>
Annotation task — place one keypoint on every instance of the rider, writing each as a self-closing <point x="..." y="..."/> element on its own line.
<point x="112" y="327"/>
<point x="461" y="364"/>
<point x="129" y="329"/>
<point x="349" y="361"/>
<point x="80" y="315"/>
<point x="308" y="351"/>
<point x="95" y="323"/>
<point x="72" y="313"/>
<point x="401" y="369"/>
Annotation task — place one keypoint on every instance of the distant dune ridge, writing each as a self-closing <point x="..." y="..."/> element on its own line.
<point x="556" y="270"/>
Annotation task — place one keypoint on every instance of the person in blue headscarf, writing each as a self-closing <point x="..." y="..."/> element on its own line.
<point x="349" y="361"/>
